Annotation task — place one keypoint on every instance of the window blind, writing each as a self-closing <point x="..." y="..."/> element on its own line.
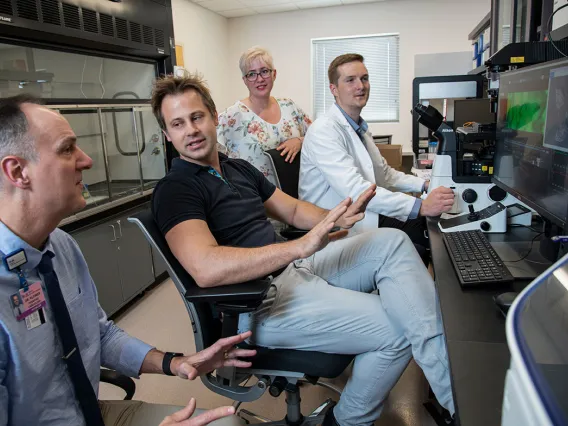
<point x="381" y="53"/>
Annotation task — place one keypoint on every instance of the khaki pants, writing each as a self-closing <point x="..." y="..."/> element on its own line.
<point x="138" y="413"/>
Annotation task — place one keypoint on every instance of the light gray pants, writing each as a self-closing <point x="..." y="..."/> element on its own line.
<point x="323" y="304"/>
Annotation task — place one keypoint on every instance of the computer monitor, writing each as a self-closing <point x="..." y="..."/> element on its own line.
<point x="531" y="157"/>
<point x="476" y="110"/>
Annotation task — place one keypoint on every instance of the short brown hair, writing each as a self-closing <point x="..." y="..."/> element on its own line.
<point x="172" y="85"/>
<point x="332" y="72"/>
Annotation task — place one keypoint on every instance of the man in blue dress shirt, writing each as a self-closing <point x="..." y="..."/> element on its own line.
<point x="40" y="185"/>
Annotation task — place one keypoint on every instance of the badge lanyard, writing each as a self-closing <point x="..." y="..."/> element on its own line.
<point x="13" y="263"/>
<point x="29" y="301"/>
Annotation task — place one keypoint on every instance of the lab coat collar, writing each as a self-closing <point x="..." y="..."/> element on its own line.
<point x="360" y="128"/>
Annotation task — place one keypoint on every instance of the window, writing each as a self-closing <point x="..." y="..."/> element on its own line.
<point x="381" y="58"/>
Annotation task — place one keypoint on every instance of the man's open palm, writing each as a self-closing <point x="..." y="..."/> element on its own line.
<point x="356" y="211"/>
<point x="221" y="354"/>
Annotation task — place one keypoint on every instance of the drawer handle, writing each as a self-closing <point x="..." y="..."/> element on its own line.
<point x="113" y="233"/>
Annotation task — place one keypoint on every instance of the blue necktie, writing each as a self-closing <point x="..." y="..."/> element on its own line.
<point x="84" y="391"/>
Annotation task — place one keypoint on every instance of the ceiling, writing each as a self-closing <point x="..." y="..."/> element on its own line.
<point x="237" y="8"/>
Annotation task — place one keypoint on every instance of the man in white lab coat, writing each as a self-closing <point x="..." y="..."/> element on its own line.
<point x="339" y="159"/>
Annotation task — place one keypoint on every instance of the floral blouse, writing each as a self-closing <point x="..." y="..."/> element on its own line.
<point x="245" y="135"/>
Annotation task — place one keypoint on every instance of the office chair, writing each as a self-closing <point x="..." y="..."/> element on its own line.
<point x="287" y="177"/>
<point x="277" y="370"/>
<point x="287" y="174"/>
<point x="120" y="380"/>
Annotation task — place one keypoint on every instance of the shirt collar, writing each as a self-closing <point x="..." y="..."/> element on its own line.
<point x="360" y="128"/>
<point x="188" y="166"/>
<point x="10" y="242"/>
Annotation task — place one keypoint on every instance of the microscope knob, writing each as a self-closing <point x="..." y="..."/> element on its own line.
<point x="469" y="196"/>
<point x="485" y="226"/>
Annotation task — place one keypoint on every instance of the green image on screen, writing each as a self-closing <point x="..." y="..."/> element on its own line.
<point x="526" y="111"/>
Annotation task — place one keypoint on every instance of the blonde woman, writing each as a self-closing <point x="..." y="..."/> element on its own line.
<point x="261" y="122"/>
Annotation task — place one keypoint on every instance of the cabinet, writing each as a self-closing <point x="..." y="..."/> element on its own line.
<point x="99" y="251"/>
<point x="119" y="259"/>
<point x="134" y="257"/>
<point x="159" y="264"/>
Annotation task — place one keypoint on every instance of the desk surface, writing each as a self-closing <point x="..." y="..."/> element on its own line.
<point x="475" y="334"/>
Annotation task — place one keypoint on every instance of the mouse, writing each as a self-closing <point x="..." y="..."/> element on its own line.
<point x="505" y="300"/>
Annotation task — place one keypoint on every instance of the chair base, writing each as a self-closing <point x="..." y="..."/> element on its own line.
<point x="314" y="419"/>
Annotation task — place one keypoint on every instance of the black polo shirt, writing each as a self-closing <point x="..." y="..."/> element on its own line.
<point x="232" y="207"/>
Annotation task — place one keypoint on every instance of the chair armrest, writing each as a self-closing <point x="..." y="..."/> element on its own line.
<point x="234" y="298"/>
<point x="291" y="233"/>
<point x="231" y="300"/>
<point x="120" y="380"/>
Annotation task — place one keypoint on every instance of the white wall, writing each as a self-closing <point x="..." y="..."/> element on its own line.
<point x="205" y="39"/>
<point x="425" y="26"/>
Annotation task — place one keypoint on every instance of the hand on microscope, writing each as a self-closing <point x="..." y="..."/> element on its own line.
<point x="439" y="201"/>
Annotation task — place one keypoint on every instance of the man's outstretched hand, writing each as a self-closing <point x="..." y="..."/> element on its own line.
<point x="356" y="211"/>
<point x="320" y="235"/>
<point x="182" y="417"/>
<point x="221" y="354"/>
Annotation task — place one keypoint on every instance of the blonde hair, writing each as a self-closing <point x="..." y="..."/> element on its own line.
<point x="255" y="52"/>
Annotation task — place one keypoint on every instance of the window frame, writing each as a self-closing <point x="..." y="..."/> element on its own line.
<point x="361" y="36"/>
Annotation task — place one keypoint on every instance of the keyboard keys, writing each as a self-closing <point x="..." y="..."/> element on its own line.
<point x="474" y="259"/>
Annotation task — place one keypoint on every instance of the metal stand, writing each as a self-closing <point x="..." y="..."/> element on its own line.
<point x="294" y="415"/>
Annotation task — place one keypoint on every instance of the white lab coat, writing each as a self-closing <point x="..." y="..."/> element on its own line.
<point x="336" y="164"/>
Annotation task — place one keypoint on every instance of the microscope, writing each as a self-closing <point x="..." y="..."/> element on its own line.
<point x="464" y="163"/>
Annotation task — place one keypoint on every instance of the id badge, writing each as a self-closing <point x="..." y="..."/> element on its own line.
<point x="25" y="303"/>
<point x="35" y="319"/>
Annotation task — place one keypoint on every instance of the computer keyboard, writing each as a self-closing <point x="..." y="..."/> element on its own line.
<point x="475" y="261"/>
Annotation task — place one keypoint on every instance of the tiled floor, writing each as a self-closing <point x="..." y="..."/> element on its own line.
<point x="160" y="318"/>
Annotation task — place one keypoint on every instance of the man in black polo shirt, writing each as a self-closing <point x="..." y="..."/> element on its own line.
<point x="213" y="212"/>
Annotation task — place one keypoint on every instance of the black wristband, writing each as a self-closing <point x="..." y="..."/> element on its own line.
<point x="167" y="361"/>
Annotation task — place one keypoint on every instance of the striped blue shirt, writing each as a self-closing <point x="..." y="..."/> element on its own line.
<point x="35" y="388"/>
<point x="361" y="128"/>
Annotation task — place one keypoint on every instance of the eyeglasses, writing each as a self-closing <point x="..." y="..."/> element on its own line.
<point x="264" y="73"/>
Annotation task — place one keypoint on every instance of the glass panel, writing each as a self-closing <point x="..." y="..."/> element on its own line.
<point x="85" y="124"/>
<point x="504" y="23"/>
<point x="543" y="326"/>
<point x="54" y="74"/>
<point x="122" y="151"/>
<point x="154" y="152"/>
<point x="522" y="9"/>
<point x="116" y="172"/>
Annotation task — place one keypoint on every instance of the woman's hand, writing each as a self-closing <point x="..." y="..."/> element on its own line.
<point x="290" y="148"/>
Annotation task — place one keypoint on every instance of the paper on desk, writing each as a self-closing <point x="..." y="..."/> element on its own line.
<point x="422" y="173"/>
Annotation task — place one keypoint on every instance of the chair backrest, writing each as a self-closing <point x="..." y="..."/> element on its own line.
<point x="207" y="327"/>
<point x="287" y="174"/>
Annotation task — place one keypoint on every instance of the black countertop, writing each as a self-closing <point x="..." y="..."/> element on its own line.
<point x="475" y="333"/>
